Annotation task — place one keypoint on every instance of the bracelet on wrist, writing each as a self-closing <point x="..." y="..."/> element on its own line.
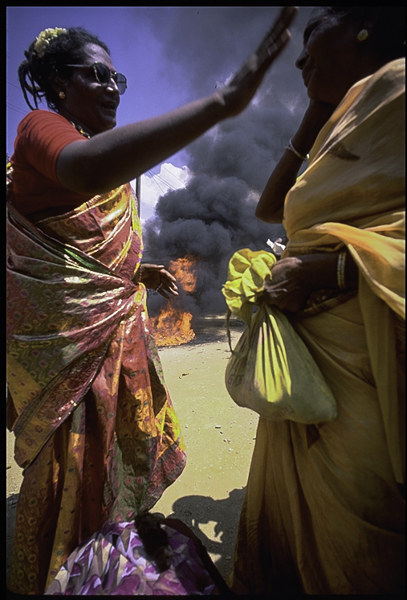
<point x="340" y="270"/>
<point x="292" y="149"/>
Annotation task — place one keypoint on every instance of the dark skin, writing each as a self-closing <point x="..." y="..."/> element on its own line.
<point x="156" y="277"/>
<point x="85" y="166"/>
<point x="332" y="60"/>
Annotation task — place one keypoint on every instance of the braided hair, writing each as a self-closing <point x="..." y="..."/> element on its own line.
<point x="62" y="48"/>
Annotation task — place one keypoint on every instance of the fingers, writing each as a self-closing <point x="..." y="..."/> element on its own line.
<point x="284" y="301"/>
<point x="163" y="273"/>
<point x="282" y="22"/>
<point x="273" y="46"/>
<point x="270" y="47"/>
<point x="167" y="282"/>
<point x="159" y="269"/>
<point x="278" y="35"/>
<point x="167" y="274"/>
<point x="285" y="18"/>
<point x="167" y="292"/>
<point x="167" y="287"/>
<point x="157" y="278"/>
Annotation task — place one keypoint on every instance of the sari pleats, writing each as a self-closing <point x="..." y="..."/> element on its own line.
<point x="96" y="431"/>
<point x="323" y="511"/>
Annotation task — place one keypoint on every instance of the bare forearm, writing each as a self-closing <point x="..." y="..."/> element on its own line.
<point x="271" y="203"/>
<point x="293" y="279"/>
<point x="117" y="156"/>
<point x="322" y="270"/>
<point x="282" y="179"/>
<point x="86" y="167"/>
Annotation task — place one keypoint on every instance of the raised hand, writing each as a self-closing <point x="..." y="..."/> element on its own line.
<point x="139" y="146"/>
<point x="242" y="87"/>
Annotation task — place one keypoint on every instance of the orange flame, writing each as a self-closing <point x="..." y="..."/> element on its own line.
<point x="172" y="327"/>
<point x="184" y="271"/>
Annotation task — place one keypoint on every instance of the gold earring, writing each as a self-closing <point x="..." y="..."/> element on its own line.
<point x="62" y="95"/>
<point x="362" y="35"/>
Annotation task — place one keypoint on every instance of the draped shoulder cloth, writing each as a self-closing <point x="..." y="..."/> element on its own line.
<point x="352" y="195"/>
<point x="69" y="286"/>
<point x="92" y="416"/>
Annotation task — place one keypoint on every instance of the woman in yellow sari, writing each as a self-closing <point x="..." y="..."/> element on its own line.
<point x="96" y="432"/>
<point x="324" y="506"/>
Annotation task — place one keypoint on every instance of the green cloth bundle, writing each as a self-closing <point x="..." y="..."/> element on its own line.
<point x="271" y="370"/>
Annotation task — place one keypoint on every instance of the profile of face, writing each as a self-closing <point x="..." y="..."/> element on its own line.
<point x="330" y="60"/>
<point x="87" y="102"/>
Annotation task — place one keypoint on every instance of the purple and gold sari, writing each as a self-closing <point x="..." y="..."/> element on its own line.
<point x="96" y="432"/>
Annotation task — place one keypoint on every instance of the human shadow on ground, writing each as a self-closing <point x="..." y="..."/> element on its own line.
<point x="200" y="510"/>
<point x="194" y="511"/>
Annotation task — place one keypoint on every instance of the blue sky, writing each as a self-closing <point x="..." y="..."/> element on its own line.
<point x="135" y="49"/>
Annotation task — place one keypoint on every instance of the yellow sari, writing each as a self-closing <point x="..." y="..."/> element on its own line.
<point x="323" y="511"/>
<point x="96" y="432"/>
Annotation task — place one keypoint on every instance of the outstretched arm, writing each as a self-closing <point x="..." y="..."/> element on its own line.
<point x="85" y="166"/>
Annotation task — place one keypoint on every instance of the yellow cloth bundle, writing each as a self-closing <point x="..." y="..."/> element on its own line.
<point x="271" y="370"/>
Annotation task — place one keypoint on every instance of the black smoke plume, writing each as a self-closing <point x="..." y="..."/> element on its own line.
<point x="213" y="216"/>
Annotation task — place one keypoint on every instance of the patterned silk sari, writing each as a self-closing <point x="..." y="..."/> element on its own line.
<point x="114" y="562"/>
<point x="96" y="432"/>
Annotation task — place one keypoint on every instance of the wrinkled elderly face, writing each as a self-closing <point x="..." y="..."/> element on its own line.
<point x="330" y="58"/>
<point x="88" y="103"/>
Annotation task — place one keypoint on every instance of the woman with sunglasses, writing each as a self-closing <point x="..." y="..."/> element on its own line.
<point x="96" y="432"/>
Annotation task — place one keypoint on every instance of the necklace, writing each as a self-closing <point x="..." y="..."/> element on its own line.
<point x="81" y="131"/>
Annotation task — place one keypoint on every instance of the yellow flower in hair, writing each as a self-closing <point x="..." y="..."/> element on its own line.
<point x="45" y="37"/>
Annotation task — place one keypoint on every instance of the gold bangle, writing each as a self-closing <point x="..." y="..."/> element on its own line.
<point x="340" y="270"/>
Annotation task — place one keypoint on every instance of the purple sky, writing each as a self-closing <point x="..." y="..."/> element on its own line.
<point x="135" y="50"/>
<point x="170" y="55"/>
<point x="173" y="55"/>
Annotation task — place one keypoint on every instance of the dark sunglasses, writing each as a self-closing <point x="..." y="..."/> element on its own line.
<point x="104" y="75"/>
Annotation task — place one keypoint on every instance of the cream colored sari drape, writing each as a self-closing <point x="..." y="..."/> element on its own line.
<point x="323" y="512"/>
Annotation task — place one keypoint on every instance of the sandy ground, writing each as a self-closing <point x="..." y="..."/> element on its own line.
<point x="219" y="437"/>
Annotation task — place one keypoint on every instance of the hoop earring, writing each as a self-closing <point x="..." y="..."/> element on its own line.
<point x="62" y="95"/>
<point x="363" y="35"/>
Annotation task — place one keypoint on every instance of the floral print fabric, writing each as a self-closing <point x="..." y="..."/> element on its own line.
<point x="114" y="562"/>
<point x="96" y="431"/>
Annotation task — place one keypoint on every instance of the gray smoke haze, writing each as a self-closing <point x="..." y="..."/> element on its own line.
<point x="213" y="216"/>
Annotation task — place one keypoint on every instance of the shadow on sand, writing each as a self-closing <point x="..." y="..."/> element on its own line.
<point x="196" y="511"/>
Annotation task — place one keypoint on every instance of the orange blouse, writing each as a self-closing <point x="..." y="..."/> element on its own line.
<point x="41" y="136"/>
